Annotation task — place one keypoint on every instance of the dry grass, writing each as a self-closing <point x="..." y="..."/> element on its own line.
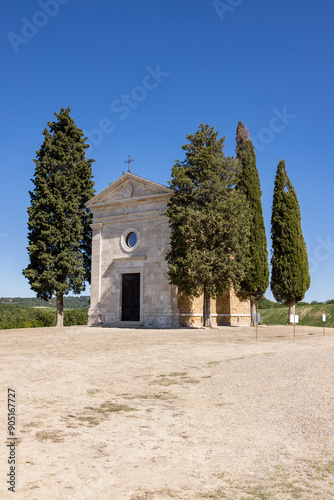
<point x="54" y="436"/>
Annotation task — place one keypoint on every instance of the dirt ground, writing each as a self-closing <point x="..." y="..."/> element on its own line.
<point x="126" y="414"/>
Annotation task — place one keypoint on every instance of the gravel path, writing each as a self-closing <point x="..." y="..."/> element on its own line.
<point x="162" y="414"/>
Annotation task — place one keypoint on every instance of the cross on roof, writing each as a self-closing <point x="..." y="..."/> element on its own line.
<point x="128" y="161"/>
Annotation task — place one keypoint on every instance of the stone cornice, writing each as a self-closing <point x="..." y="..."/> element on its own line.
<point x="151" y="198"/>
<point x="115" y="219"/>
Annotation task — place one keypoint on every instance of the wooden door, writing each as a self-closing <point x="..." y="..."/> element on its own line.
<point x="131" y="297"/>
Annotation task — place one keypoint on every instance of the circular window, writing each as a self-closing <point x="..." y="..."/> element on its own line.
<point x="131" y="239"/>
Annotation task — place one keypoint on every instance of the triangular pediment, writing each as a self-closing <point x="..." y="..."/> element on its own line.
<point x="127" y="187"/>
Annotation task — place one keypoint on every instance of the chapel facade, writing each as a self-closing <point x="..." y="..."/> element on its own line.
<point x="129" y="283"/>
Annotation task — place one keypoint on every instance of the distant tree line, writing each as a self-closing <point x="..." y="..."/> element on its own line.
<point x="19" y="316"/>
<point x="69" y="302"/>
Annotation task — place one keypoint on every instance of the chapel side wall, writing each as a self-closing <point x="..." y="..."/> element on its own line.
<point x="223" y="310"/>
<point x="190" y="310"/>
<point x="240" y="311"/>
<point x="226" y="310"/>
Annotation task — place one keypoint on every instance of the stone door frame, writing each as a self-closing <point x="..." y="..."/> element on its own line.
<point x="118" y="284"/>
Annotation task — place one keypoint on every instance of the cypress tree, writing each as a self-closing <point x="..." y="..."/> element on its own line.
<point x="59" y="231"/>
<point x="256" y="279"/>
<point x="209" y="220"/>
<point x="290" y="277"/>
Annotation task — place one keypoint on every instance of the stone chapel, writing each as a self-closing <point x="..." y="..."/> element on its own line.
<point x="130" y="285"/>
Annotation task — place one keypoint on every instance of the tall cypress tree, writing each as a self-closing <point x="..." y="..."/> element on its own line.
<point x="256" y="279"/>
<point x="209" y="219"/>
<point x="290" y="277"/>
<point x="59" y="231"/>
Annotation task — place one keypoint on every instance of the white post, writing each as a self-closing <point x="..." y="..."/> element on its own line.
<point x="324" y="321"/>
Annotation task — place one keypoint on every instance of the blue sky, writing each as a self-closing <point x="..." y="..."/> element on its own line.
<point x="140" y="76"/>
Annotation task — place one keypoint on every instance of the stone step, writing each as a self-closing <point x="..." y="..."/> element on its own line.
<point x="125" y="324"/>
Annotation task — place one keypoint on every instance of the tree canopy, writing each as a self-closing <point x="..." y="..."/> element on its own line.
<point x="290" y="277"/>
<point x="209" y="220"/>
<point x="256" y="278"/>
<point x="59" y="231"/>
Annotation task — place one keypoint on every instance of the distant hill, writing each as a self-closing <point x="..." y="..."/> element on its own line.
<point x="309" y="314"/>
<point x="69" y="302"/>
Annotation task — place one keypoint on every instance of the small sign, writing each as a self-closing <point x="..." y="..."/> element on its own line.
<point x="257" y="318"/>
<point x="294" y="318"/>
<point x="324" y="318"/>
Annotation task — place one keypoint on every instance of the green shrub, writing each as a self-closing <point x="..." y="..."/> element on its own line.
<point x="75" y="317"/>
<point x="44" y="317"/>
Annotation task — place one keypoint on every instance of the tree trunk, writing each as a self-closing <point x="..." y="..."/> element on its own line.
<point x="206" y="310"/>
<point x="292" y="310"/>
<point x="60" y="311"/>
<point x="253" y="311"/>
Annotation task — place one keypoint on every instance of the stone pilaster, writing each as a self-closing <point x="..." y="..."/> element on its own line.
<point x="94" y="312"/>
